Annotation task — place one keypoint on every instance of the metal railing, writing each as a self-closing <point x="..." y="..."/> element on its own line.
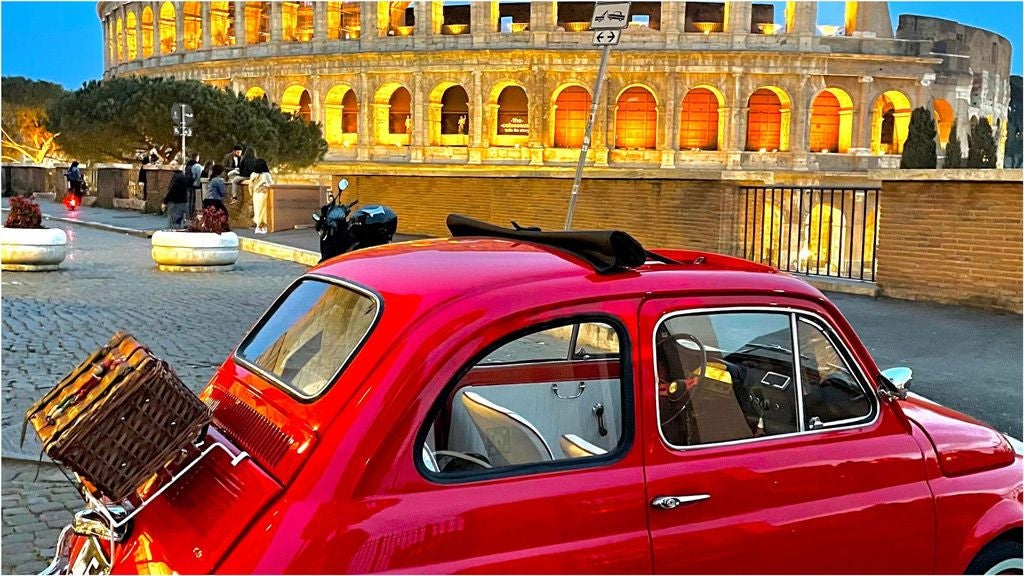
<point x="817" y="231"/>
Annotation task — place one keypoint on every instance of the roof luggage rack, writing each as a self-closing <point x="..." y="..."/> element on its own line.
<point x="608" y="251"/>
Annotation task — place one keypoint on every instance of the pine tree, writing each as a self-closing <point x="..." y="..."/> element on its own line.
<point x="954" y="155"/>
<point x="981" y="146"/>
<point x="919" y="149"/>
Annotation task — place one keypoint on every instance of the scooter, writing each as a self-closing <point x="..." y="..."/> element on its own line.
<point x="343" y="230"/>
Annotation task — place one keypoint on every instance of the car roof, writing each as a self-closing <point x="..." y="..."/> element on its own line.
<point x="438" y="270"/>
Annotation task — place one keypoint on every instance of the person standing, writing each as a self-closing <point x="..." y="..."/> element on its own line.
<point x="74" y="176"/>
<point x="259" y="184"/>
<point x="195" y="172"/>
<point x="216" y="189"/>
<point x="175" y="202"/>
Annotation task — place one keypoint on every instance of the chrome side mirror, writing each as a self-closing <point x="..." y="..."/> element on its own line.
<point x="900" y="378"/>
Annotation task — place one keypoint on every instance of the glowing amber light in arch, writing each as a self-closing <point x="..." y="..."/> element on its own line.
<point x="147" y="32"/>
<point x="168" y="29"/>
<point x="131" y="36"/>
<point x="699" y="126"/>
<point x="193" y="25"/>
<point x="636" y="120"/>
<point x="571" y="108"/>
<point x="768" y="120"/>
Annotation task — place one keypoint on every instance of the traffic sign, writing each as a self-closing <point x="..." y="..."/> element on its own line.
<point x="606" y="37"/>
<point x="178" y="131"/>
<point x="610" y="16"/>
<point x="182" y="114"/>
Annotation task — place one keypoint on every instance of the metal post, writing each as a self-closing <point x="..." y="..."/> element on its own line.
<point x="183" y="161"/>
<point x="586" y="137"/>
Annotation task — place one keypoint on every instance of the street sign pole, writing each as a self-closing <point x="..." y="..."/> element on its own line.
<point x="608" y="21"/>
<point x="183" y="161"/>
<point x="605" y="52"/>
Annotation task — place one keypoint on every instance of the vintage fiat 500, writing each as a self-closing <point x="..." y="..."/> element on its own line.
<point x="529" y="402"/>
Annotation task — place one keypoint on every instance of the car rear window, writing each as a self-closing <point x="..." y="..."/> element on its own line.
<point x="310" y="334"/>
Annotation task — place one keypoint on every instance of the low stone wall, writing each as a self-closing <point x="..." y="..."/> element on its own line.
<point x="158" y="179"/>
<point x="111" y="181"/>
<point x="23" y="179"/>
<point x="956" y="242"/>
<point x="292" y="204"/>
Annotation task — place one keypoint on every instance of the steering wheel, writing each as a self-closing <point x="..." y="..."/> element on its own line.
<point x="680" y="339"/>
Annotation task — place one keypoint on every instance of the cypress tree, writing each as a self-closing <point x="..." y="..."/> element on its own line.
<point x="981" y="146"/>
<point x="919" y="149"/>
<point x="954" y="155"/>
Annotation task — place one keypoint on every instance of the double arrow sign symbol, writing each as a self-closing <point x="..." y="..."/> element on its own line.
<point x="606" y="37"/>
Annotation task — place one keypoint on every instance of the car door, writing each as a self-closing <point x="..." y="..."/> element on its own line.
<point x="525" y="462"/>
<point x="759" y="464"/>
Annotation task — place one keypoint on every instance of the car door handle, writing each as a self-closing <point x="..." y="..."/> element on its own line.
<point x="670" y="502"/>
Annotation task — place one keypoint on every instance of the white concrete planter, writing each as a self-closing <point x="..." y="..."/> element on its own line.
<point x="194" y="251"/>
<point x="32" y="249"/>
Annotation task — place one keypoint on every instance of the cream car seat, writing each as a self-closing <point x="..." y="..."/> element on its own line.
<point x="508" y="437"/>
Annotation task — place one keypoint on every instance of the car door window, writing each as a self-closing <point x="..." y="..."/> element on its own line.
<point x="550" y="397"/>
<point x="725" y="376"/>
<point x="831" y="393"/>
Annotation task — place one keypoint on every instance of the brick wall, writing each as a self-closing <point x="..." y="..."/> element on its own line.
<point x="670" y="213"/>
<point x="951" y="242"/>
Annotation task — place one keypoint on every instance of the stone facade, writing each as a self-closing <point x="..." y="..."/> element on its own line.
<point x="691" y="85"/>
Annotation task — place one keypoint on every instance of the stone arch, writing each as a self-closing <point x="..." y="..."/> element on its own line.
<point x="222" y="23"/>
<point x="831" y="125"/>
<point x="255" y="93"/>
<point x="192" y="31"/>
<point x="296" y="100"/>
<point x="701" y="125"/>
<point x="825" y="235"/>
<point x="768" y="120"/>
<point x="570" y="107"/>
<point x="508" y="107"/>
<point x="148" y="28"/>
<point x="392" y="114"/>
<point x="120" y="39"/>
<point x="257" y="22"/>
<point x="168" y="28"/>
<point x="131" y="35"/>
<point x="944" y="117"/>
<point x="341" y="115"/>
<point x="890" y="121"/>
<point x="448" y="115"/>
<point x="636" y="118"/>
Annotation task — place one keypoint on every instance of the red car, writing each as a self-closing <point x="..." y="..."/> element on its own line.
<point x="529" y="402"/>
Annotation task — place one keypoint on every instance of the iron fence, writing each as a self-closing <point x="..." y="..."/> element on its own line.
<point x="815" y="231"/>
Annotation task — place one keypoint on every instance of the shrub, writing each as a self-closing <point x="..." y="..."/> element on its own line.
<point x="25" y="213"/>
<point x="919" y="149"/>
<point x="954" y="153"/>
<point x="211" y="219"/>
<point x="981" y="146"/>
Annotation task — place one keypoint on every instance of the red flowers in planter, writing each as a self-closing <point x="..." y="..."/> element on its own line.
<point x="25" y="213"/>
<point x="211" y="219"/>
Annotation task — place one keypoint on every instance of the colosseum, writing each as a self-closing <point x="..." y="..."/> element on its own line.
<point x="692" y="85"/>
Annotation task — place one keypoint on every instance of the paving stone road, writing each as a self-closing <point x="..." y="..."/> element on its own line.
<point x="52" y="320"/>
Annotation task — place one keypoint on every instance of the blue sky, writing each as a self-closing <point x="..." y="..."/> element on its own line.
<point x="61" y="41"/>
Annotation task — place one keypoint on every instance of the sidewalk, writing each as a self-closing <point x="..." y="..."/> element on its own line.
<point x="300" y="246"/>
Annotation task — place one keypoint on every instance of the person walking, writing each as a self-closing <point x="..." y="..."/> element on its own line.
<point x="259" y="184"/>
<point x="216" y="189"/>
<point x="76" y="183"/>
<point x="175" y="202"/>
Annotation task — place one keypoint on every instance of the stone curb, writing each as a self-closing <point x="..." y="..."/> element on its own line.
<point x="101" y="226"/>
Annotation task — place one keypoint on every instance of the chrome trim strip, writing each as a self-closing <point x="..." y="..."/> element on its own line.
<point x="341" y="367"/>
<point x="742" y="309"/>
<point x="797" y="368"/>
<point x="847" y="359"/>
<point x="61" y="563"/>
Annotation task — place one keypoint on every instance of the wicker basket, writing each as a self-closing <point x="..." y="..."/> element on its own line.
<point x="120" y="422"/>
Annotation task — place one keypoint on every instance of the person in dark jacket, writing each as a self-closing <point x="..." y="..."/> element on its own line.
<point x="216" y="189"/>
<point x="175" y="202"/>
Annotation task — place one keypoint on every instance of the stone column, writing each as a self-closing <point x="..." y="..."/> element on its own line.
<point x="800" y="118"/>
<point x="801" y="17"/>
<point x="672" y="20"/>
<point x="429" y="17"/>
<point x="422" y="115"/>
<point x="483" y="17"/>
<point x="320" y="21"/>
<point x="157" y="48"/>
<point x="240" y="24"/>
<point x="543" y="18"/>
<point x="276" y="33"/>
<point x="179" y="28"/>
<point x="737" y="16"/>
<point x="138" y="33"/>
<point x="736" y="128"/>
<point x="862" y="119"/>
<point x="204" y="21"/>
<point x="368" y="33"/>
<point x="315" y="108"/>
<point x="106" y="44"/>
<point x="476" y="116"/>
<point x="669" y="118"/>
<point x="364" y="122"/>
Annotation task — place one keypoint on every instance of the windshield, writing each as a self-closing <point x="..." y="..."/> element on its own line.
<point x="309" y="335"/>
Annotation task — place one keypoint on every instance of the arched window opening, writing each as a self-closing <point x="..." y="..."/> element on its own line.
<point x="764" y="121"/>
<point x="399" y="113"/>
<point x="222" y="23"/>
<point x="944" y="117"/>
<point x="168" y="29"/>
<point x="890" y="121"/>
<point x="341" y="115"/>
<point x="193" y="25"/>
<point x="297" y="21"/>
<point x="255" y="93"/>
<point x="824" y="123"/>
<point x="296" y="100"/>
<point x="698" y="128"/>
<point x="571" y="109"/>
<point x="343" y="20"/>
<point x="111" y="50"/>
<point x="455" y="111"/>
<point x="132" y="36"/>
<point x="120" y="40"/>
<point x="350" y="113"/>
<point x="513" y="112"/>
<point x="636" y="120"/>
<point x="257" y="22"/>
<point x="147" y="32"/>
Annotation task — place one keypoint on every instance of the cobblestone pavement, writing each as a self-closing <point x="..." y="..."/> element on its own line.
<point x="52" y="320"/>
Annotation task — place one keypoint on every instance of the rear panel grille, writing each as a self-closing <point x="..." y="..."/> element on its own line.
<point x="251" y="430"/>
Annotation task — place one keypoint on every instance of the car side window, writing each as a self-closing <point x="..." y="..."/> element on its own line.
<point x="525" y="404"/>
<point x="725" y="376"/>
<point x="831" y="392"/>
